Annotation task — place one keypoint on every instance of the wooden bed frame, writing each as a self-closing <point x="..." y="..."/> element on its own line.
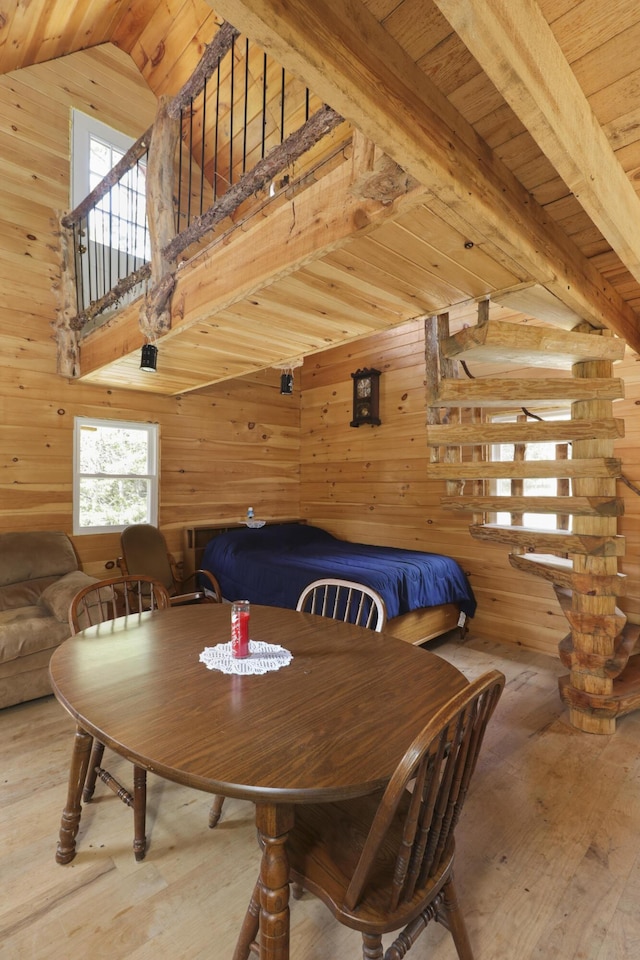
<point x="417" y="626"/>
<point x="424" y="624"/>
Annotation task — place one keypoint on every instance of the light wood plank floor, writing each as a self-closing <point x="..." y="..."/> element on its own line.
<point x="548" y="865"/>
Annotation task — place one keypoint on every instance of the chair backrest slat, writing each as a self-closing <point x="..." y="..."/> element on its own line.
<point x="116" y="597"/>
<point x="424" y="798"/>
<point x="344" y="600"/>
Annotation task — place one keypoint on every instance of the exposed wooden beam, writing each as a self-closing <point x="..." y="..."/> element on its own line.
<point x="516" y="48"/>
<point x="346" y="57"/>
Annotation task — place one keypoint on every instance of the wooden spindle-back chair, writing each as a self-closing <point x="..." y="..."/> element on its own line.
<point x="383" y="863"/>
<point x="344" y="600"/>
<point x="100" y="602"/>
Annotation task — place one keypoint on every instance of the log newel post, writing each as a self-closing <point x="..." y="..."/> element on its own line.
<point x="68" y="354"/>
<point x="155" y="313"/>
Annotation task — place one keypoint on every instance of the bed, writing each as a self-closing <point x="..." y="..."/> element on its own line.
<point x="425" y="593"/>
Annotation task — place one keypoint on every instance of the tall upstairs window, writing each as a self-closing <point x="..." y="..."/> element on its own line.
<point x="115" y="241"/>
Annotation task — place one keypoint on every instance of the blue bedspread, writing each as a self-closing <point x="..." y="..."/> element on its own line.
<point x="273" y="564"/>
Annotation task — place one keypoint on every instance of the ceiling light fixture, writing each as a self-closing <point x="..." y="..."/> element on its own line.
<point x="286" y="383"/>
<point x="286" y="375"/>
<point x="149" y="358"/>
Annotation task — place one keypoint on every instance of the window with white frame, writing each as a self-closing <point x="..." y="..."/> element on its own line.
<point x="115" y="473"/>
<point x="531" y="486"/>
<point x="117" y="241"/>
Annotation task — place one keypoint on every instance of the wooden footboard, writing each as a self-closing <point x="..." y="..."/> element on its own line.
<point x="424" y="624"/>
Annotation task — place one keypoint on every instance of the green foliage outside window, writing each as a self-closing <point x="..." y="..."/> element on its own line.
<point x="116" y="473"/>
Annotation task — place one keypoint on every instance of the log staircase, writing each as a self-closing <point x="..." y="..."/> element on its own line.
<point x="580" y="556"/>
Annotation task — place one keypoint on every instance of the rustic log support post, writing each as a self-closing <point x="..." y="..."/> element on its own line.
<point x="594" y="626"/>
<point x="155" y="313"/>
<point x="68" y="354"/>
<point x="437" y="368"/>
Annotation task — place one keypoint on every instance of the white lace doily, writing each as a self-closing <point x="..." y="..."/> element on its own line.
<point x="262" y="658"/>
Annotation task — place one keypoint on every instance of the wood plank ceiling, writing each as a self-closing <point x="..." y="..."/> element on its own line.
<point x="519" y="122"/>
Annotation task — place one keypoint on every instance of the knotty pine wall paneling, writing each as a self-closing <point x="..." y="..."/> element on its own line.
<point x="370" y="483"/>
<point x="221" y="449"/>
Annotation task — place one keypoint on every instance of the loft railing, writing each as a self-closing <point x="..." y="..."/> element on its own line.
<point x="240" y="122"/>
<point x="111" y="245"/>
<point x="244" y="109"/>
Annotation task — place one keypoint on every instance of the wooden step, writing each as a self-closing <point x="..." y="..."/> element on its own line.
<point x="554" y="541"/>
<point x="559" y="571"/>
<point x="496" y="470"/>
<point x="624" y="698"/>
<point x="603" y="626"/>
<point x="505" y="392"/>
<point x="576" y="506"/>
<point x="555" y="431"/>
<point x="528" y="345"/>
<point x="600" y="664"/>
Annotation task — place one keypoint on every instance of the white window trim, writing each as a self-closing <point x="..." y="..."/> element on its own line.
<point x="153" y="448"/>
<point x="82" y="128"/>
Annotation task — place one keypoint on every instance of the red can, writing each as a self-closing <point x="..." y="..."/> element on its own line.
<point x="240" y="628"/>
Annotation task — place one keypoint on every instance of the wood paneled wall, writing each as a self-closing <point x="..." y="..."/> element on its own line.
<point x="370" y="483"/>
<point x="221" y="449"/>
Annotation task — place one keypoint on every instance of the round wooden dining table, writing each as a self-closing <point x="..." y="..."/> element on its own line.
<point x="331" y="724"/>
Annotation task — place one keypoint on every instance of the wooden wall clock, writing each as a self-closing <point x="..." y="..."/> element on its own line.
<point x="366" y="398"/>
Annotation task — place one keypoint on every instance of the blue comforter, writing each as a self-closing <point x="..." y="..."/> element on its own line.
<point x="273" y="564"/>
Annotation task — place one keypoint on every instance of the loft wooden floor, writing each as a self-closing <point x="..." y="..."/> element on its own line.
<point x="548" y="847"/>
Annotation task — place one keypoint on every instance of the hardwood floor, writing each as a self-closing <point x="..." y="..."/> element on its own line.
<point x="547" y="862"/>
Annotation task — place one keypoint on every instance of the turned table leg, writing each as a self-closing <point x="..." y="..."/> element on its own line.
<point x="70" y="822"/>
<point x="273" y="823"/>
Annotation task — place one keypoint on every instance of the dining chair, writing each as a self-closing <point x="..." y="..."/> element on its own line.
<point x="97" y="603"/>
<point x="144" y="551"/>
<point x="344" y="600"/>
<point x="384" y="863"/>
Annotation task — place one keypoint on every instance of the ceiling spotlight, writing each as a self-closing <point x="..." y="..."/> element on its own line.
<point x="149" y="358"/>
<point x="286" y="383"/>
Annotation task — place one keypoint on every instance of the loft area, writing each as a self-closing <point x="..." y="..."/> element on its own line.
<point x="504" y="238"/>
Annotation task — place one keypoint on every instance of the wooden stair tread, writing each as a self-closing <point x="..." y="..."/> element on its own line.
<point x="536" y="431"/>
<point x="543" y="560"/>
<point x="530" y="345"/>
<point x="624" y="698"/>
<point x="561" y="541"/>
<point x="497" y="470"/>
<point x="576" y="506"/>
<point x="610" y="664"/>
<point x="560" y="571"/>
<point x="506" y="392"/>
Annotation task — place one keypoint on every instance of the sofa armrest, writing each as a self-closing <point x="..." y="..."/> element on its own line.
<point x="58" y="596"/>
